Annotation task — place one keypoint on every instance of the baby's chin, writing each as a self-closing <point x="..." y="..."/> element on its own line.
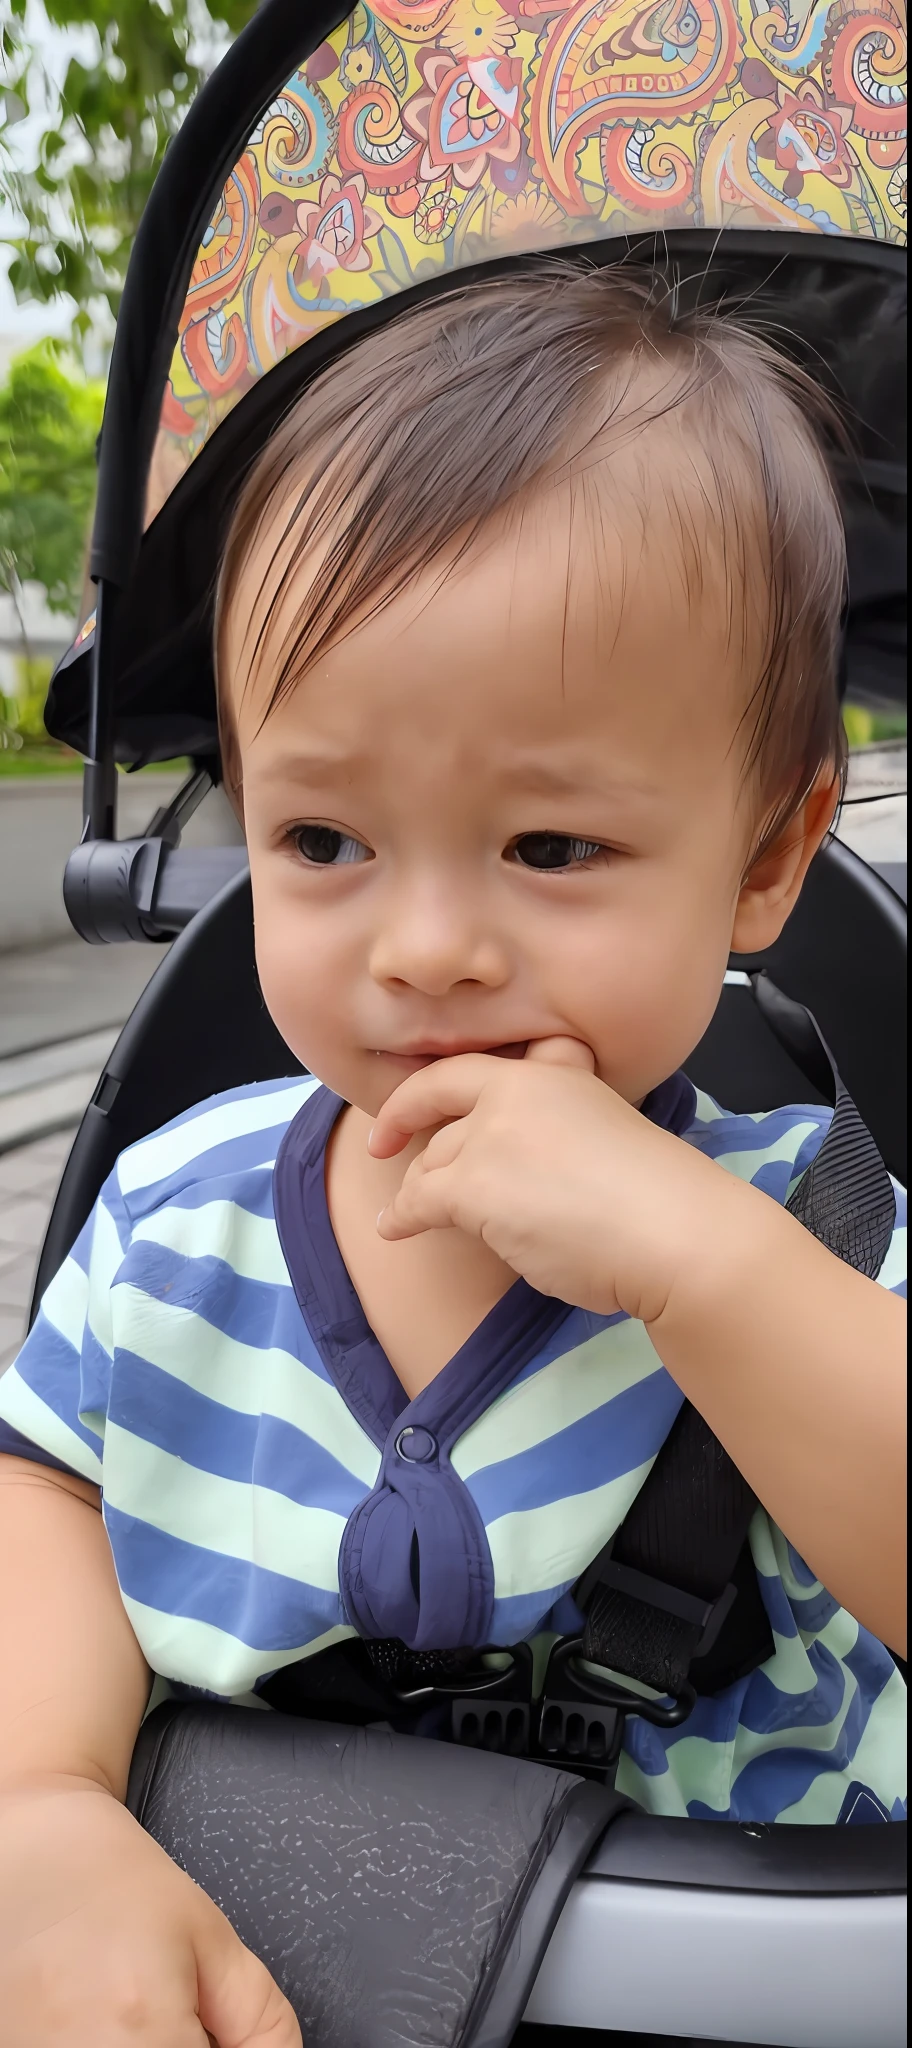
<point x="364" y="1083"/>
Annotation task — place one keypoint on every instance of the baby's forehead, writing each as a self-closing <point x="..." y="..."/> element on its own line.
<point x="651" y="524"/>
<point x="565" y="628"/>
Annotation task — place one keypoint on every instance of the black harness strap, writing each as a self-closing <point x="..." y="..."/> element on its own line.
<point x="846" y="1198"/>
<point x="658" y="1596"/>
<point x="673" y="1601"/>
<point x="411" y="1670"/>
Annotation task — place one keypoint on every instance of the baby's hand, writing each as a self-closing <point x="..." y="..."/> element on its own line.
<point x="566" y="1182"/>
<point x="104" y="1943"/>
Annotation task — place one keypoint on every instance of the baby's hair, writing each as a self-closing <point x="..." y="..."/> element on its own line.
<point x="415" y="438"/>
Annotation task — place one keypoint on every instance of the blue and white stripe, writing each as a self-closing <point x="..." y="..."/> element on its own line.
<point x="171" y="1364"/>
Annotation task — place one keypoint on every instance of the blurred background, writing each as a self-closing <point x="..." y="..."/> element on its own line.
<point x="87" y="106"/>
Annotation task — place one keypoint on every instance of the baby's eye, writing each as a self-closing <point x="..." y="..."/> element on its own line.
<point x="323" y="847"/>
<point x="546" y="851"/>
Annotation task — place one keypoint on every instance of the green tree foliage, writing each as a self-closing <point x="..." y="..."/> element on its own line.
<point x="49" y="419"/>
<point x="104" y="138"/>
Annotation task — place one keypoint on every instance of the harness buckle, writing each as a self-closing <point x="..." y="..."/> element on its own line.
<point x="578" y="1722"/>
<point x="467" y="1682"/>
<point x="495" y="1712"/>
<point x="568" y="1689"/>
<point x="582" y="1714"/>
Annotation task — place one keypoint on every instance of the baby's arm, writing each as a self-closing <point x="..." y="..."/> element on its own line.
<point x="101" y="1936"/>
<point x="799" y="1364"/>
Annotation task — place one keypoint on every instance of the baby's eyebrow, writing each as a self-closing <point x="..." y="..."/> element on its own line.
<point x="544" y="778"/>
<point x="316" y="768"/>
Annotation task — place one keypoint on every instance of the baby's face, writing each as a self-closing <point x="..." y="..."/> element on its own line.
<point x="498" y="812"/>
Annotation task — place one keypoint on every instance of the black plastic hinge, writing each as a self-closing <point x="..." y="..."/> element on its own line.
<point x="109" y="889"/>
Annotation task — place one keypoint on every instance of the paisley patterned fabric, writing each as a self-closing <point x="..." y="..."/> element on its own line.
<point x="429" y="134"/>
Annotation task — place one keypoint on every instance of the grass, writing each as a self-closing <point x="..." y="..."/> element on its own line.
<point x="38" y="761"/>
<point x="866" y="728"/>
<point x="50" y="760"/>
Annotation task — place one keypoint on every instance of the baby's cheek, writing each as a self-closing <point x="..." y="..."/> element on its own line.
<point x="280" y="961"/>
<point x="278" y="985"/>
<point x="687" y="994"/>
<point x="653" y="1007"/>
<point x="304" y="990"/>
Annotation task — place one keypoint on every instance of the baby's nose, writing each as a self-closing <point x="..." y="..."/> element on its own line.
<point x="430" y="940"/>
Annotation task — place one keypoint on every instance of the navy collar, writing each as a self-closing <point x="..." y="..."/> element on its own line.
<point x="507" y="1338"/>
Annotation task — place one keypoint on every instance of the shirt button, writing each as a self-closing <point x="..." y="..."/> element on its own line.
<point x="416" y="1446"/>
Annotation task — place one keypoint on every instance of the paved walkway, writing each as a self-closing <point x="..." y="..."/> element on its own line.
<point x="28" y="1184"/>
<point x="68" y="989"/>
<point x="873" y="820"/>
<point x="47" y="1090"/>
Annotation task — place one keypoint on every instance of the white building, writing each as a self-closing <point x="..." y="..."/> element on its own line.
<point x="46" y="637"/>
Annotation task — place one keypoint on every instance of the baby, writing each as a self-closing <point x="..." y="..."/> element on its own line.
<point x="527" y="638"/>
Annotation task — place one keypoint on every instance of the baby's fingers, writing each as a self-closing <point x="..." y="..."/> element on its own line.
<point x="561" y="1052"/>
<point x="240" y="2005"/>
<point x="436" y="1094"/>
<point x="424" y="1202"/>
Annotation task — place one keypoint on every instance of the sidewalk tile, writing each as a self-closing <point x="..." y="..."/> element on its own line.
<point x="12" y="1331"/>
<point x="21" y="1173"/>
<point x="23" y="1223"/>
<point x="52" y="1153"/>
<point x="16" y="1285"/>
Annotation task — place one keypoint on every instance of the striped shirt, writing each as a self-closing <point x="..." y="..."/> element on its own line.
<point x="203" y="1357"/>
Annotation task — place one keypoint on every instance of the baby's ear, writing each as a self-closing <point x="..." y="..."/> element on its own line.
<point x="773" y="882"/>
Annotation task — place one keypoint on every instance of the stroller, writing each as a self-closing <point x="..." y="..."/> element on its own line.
<point x="341" y="163"/>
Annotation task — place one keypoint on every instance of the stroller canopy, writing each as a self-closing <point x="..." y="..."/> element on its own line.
<point x="343" y="162"/>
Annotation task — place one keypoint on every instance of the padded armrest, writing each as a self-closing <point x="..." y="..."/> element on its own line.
<point x="400" y="1891"/>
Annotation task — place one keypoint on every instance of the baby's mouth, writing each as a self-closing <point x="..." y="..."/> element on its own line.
<point x="425" y="1053"/>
